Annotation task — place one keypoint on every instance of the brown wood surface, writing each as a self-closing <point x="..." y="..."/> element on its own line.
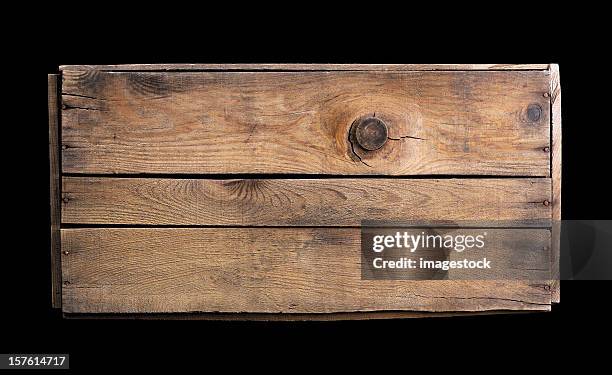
<point x="223" y="119"/>
<point x="555" y="101"/>
<point x="263" y="270"/>
<point x="53" y="82"/>
<point x="299" y="202"/>
<point x="443" y="123"/>
<point x="279" y="317"/>
<point x="304" y="67"/>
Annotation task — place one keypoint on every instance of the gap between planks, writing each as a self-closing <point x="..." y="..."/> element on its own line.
<point x="293" y="176"/>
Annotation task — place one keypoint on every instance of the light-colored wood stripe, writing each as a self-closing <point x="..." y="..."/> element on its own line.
<point x="271" y="270"/>
<point x="555" y="100"/>
<point x="306" y="67"/>
<point x="440" y="123"/>
<point x="299" y="202"/>
<point x="53" y="80"/>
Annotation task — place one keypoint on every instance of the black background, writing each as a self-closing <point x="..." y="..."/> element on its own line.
<point x="535" y="33"/>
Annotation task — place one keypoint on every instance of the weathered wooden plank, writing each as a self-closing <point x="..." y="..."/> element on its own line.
<point x="279" y="317"/>
<point x="468" y="123"/>
<point x="555" y="102"/>
<point x="263" y="270"/>
<point x="305" y="67"/>
<point x="53" y="81"/>
<point x="299" y="202"/>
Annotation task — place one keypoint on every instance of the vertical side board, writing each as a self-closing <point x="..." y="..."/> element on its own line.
<point x="53" y="83"/>
<point x="555" y="102"/>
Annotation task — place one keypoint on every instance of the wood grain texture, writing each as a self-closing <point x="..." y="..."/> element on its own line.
<point x="461" y="122"/>
<point x="555" y="102"/>
<point x="278" y="317"/>
<point x="53" y="81"/>
<point x="261" y="270"/>
<point x="304" y="67"/>
<point x="299" y="202"/>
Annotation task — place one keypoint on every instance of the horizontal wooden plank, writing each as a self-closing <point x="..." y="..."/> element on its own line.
<point x="264" y="270"/>
<point x="279" y="317"/>
<point x="299" y="202"/>
<point x="461" y="122"/>
<point x="305" y="67"/>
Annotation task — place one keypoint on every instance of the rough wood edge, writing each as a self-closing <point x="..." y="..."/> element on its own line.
<point x="304" y="67"/>
<point x="53" y="82"/>
<point x="555" y="103"/>
<point x="310" y="317"/>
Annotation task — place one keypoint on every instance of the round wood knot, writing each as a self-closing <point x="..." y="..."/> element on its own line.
<point x="534" y="112"/>
<point x="371" y="133"/>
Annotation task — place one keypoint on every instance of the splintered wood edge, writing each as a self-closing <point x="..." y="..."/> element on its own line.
<point x="53" y="82"/>
<point x="303" y="67"/>
<point x="555" y="103"/>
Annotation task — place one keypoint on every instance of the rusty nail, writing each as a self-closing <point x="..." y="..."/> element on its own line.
<point x="371" y="133"/>
<point x="66" y="282"/>
<point x="546" y="203"/>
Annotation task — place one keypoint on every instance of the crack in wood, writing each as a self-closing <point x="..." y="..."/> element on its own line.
<point x="82" y="96"/>
<point x="353" y="150"/>
<point x="406" y="137"/>
<point x="485" y="298"/>
<point x="67" y="107"/>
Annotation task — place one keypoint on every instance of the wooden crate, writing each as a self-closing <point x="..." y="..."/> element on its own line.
<point x="237" y="191"/>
